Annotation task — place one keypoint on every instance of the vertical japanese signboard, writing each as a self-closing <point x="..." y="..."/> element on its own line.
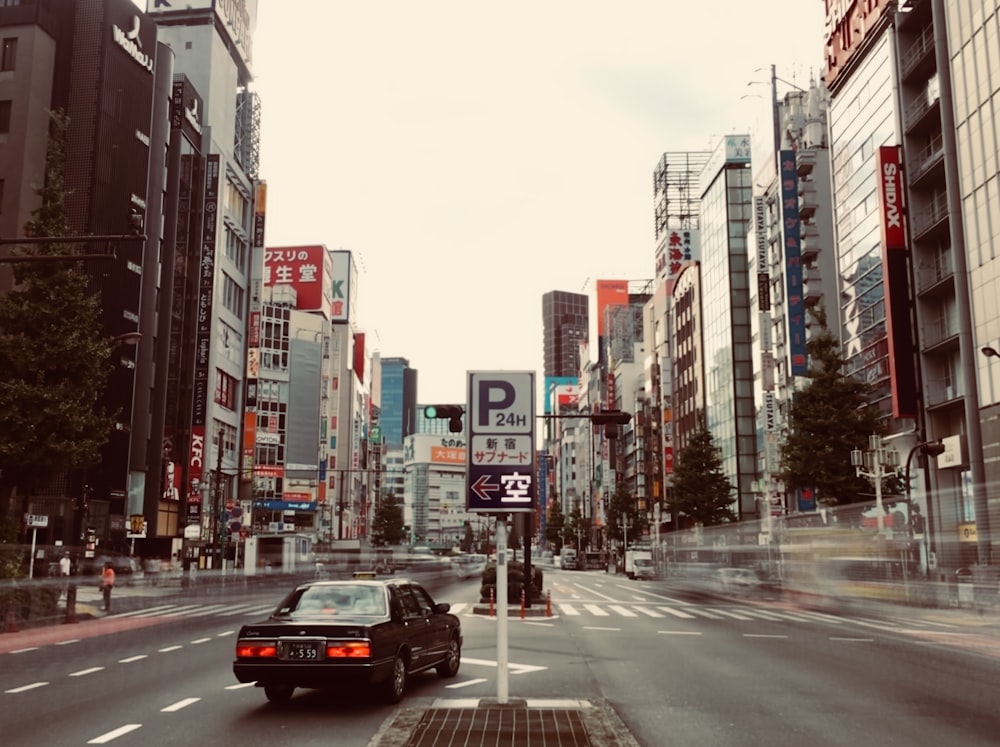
<point x="791" y="231"/>
<point x="500" y="459"/>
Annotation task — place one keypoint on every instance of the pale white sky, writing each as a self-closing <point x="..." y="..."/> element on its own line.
<point x="474" y="156"/>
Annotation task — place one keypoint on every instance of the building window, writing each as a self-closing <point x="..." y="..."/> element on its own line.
<point x="8" y="55"/>
<point x="225" y="390"/>
<point x="5" y="117"/>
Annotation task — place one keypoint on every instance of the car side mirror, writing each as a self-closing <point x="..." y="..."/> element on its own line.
<point x="442" y="607"/>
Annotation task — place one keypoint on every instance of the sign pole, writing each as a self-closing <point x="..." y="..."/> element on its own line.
<point x="31" y="562"/>
<point x="502" y="636"/>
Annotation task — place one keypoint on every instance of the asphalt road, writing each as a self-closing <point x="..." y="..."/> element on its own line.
<point x="679" y="667"/>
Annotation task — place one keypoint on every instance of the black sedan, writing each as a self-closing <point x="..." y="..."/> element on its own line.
<point x="328" y="633"/>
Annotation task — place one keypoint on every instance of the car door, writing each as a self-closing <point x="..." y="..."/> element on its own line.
<point x="417" y="622"/>
<point x="438" y="626"/>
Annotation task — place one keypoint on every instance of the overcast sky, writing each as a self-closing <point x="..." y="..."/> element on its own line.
<point x="474" y="156"/>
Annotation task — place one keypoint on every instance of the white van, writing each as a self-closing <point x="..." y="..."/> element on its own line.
<point x="567" y="559"/>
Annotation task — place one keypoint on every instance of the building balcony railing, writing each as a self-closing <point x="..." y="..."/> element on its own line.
<point x="931" y="214"/>
<point x="937" y="332"/>
<point x="927" y="158"/>
<point x="920" y="51"/>
<point x="930" y="274"/>
<point x="942" y="391"/>
<point x="805" y="161"/>
<point x="920" y="107"/>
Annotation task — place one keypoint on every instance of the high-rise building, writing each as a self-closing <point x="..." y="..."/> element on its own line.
<point x="726" y="214"/>
<point x="398" y="412"/>
<point x="565" y="324"/>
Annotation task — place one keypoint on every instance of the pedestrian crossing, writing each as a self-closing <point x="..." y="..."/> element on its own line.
<point x="250" y="609"/>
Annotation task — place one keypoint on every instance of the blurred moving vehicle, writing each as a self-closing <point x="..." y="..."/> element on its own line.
<point x="373" y="632"/>
<point x="739" y="580"/>
<point x="469" y="566"/>
<point x="633" y="556"/>
<point x="567" y="559"/>
<point x="644" y="568"/>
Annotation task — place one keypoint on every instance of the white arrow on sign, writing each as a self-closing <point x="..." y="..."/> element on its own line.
<point x="482" y="487"/>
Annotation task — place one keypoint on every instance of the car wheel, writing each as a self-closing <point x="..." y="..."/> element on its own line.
<point x="453" y="659"/>
<point x="278" y="693"/>
<point x="395" y="685"/>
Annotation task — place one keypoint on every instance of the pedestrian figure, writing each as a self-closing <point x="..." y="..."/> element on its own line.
<point x="65" y="570"/>
<point x="107" y="584"/>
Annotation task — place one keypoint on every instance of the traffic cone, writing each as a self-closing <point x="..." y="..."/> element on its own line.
<point x="548" y="604"/>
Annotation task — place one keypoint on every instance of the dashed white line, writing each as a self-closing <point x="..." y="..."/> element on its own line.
<point x="84" y="672"/>
<point x="239" y="686"/>
<point x="200" y="640"/>
<point x="24" y="650"/>
<point x="114" y="734"/>
<point x="130" y="659"/>
<point x="66" y="643"/>
<point x="852" y="640"/>
<point x="179" y="704"/>
<point x="763" y="635"/>
<point x="169" y="649"/>
<point x="224" y="633"/>
<point x="679" y="632"/>
<point x="25" y="688"/>
<point x="591" y="627"/>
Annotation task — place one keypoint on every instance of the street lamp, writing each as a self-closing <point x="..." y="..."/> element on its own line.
<point x="989" y="352"/>
<point x="876" y="463"/>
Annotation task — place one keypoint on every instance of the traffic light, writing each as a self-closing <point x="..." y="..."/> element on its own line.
<point x="610" y="419"/>
<point x="452" y="413"/>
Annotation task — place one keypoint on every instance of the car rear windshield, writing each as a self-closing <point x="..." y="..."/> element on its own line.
<point x="341" y="600"/>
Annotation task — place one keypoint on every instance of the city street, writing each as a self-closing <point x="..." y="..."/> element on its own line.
<point x="678" y="667"/>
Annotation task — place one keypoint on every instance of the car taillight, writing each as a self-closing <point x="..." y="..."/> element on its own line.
<point x="255" y="650"/>
<point x="348" y="650"/>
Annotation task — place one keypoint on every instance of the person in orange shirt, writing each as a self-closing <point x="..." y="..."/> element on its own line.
<point x="107" y="584"/>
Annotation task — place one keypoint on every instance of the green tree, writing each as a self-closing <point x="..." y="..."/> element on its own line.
<point x="576" y="529"/>
<point x="555" y="523"/>
<point x="623" y="514"/>
<point x="387" y="522"/>
<point x="828" y="418"/>
<point x="700" y="489"/>
<point x="54" y="361"/>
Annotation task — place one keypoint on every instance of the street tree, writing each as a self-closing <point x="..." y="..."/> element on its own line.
<point x="554" y="523"/>
<point x="387" y="522"/>
<point x="625" y="523"/>
<point x="700" y="489"/>
<point x="828" y="418"/>
<point x="54" y="359"/>
<point x="576" y="529"/>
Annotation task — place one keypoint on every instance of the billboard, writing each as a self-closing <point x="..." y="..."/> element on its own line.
<point x="306" y="269"/>
<point x="609" y="293"/>
<point x="791" y="230"/>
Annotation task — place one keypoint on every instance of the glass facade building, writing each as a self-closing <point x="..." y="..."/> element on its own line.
<point x="565" y="324"/>
<point x="399" y="401"/>
<point x="726" y="215"/>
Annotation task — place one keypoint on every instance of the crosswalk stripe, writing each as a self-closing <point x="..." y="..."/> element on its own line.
<point x="647" y="611"/>
<point x="568" y="609"/>
<point x="595" y="610"/>
<point x="247" y="609"/>
<point x="676" y="613"/>
<point x="761" y="615"/>
<point x="706" y="613"/>
<point x="733" y="615"/>
<point x="622" y="610"/>
<point x="172" y="610"/>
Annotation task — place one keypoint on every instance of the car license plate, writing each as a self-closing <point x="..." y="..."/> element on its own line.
<point x="302" y="650"/>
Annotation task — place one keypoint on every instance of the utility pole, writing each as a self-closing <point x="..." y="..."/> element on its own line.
<point x="217" y="501"/>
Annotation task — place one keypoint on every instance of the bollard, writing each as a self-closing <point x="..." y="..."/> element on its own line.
<point x="522" y="603"/>
<point x="11" y="626"/>
<point x="548" y="604"/>
<point x="492" y="597"/>
<point x="71" y="605"/>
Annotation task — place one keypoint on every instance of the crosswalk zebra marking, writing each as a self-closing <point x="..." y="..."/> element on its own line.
<point x="595" y="610"/>
<point x="677" y="613"/>
<point x="622" y="610"/>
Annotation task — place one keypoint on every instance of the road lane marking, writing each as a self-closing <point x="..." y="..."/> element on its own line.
<point x="706" y="613"/>
<point x="679" y="632"/>
<point x="66" y="643"/>
<point x="568" y="609"/>
<point x="83" y="672"/>
<point x="845" y="638"/>
<point x="458" y="685"/>
<point x="610" y="599"/>
<point x="538" y="624"/>
<point x="734" y="615"/>
<point x="130" y="659"/>
<point x="514" y="668"/>
<point x="622" y="610"/>
<point x="592" y="627"/>
<point x="763" y="635"/>
<point x="24" y="650"/>
<point x="224" y="633"/>
<point x="676" y="613"/>
<point x="239" y="686"/>
<point x="169" y="649"/>
<point x="647" y="611"/>
<point x="25" y="688"/>
<point x="196" y="641"/>
<point x="179" y="704"/>
<point x="595" y="610"/>
<point x="112" y="735"/>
